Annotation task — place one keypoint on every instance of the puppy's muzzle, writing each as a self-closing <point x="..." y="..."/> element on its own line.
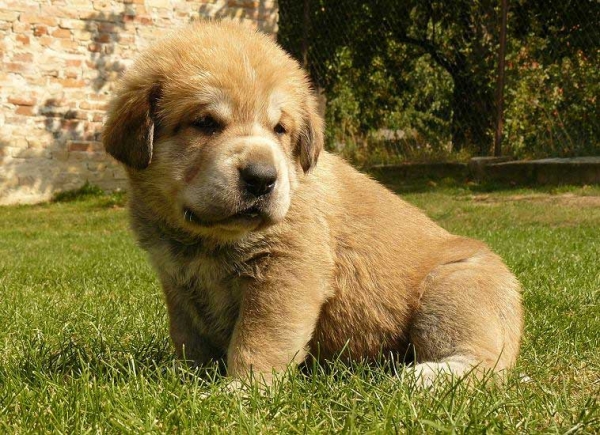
<point x="258" y="179"/>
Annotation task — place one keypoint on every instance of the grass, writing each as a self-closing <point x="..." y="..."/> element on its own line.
<point x="84" y="344"/>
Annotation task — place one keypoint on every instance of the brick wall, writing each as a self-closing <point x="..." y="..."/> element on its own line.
<point x="60" y="59"/>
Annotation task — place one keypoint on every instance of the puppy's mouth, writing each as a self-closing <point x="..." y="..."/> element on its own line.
<point x="250" y="216"/>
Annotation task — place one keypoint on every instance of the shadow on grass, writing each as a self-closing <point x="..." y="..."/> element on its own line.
<point x="153" y="358"/>
<point x="89" y="191"/>
<point x="450" y="186"/>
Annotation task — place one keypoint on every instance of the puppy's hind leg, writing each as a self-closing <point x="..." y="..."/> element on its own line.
<point x="455" y="366"/>
<point x="468" y="318"/>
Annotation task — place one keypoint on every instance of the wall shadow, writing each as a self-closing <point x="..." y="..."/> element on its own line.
<point x="70" y="152"/>
<point x="241" y="14"/>
<point x="63" y="148"/>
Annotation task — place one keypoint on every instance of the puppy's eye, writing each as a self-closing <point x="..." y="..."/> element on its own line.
<point x="207" y="125"/>
<point x="280" y="129"/>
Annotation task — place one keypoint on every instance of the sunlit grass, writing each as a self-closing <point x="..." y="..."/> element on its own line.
<point x="84" y="343"/>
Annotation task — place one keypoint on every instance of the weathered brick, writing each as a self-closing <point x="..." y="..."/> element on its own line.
<point x="8" y="15"/>
<point x="82" y="34"/>
<point x="87" y="146"/>
<point x="55" y="102"/>
<point x="38" y="142"/>
<point x="81" y="4"/>
<point x="25" y="110"/>
<point x="38" y="19"/>
<point x="22" y="100"/>
<point x="102" y="5"/>
<point x="60" y="11"/>
<point x="59" y="155"/>
<point x="62" y="33"/>
<point x="72" y="83"/>
<point x="95" y="47"/>
<point x="19" y="143"/>
<point x="73" y="62"/>
<point x="17" y="67"/>
<point x="72" y="73"/>
<point x="243" y="3"/>
<point x="40" y="30"/>
<point x="23" y="39"/>
<point x="69" y="45"/>
<point x="67" y="23"/>
<point x="103" y="38"/>
<point x="107" y="27"/>
<point x="143" y="19"/>
<point x="19" y="27"/>
<point x="46" y="41"/>
<point x="158" y="3"/>
<point x="22" y="57"/>
<point x="92" y="105"/>
<point x="22" y="6"/>
<point x="87" y="156"/>
<point x="29" y="153"/>
<point x="127" y="39"/>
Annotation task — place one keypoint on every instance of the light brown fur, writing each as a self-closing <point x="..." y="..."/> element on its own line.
<point x="333" y="261"/>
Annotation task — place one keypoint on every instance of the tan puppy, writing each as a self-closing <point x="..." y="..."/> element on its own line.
<point x="265" y="255"/>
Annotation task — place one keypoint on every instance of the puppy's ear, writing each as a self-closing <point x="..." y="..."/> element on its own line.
<point x="310" y="140"/>
<point x="129" y="130"/>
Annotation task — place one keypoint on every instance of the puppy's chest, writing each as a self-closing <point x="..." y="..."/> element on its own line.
<point x="210" y="289"/>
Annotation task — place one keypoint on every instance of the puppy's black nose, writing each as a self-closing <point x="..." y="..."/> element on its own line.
<point x="259" y="178"/>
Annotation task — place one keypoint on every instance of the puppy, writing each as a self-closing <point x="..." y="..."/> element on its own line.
<point x="270" y="249"/>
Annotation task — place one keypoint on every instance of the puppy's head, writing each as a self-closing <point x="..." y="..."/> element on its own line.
<point x="215" y="125"/>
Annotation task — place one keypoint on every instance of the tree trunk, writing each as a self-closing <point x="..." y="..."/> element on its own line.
<point x="472" y="114"/>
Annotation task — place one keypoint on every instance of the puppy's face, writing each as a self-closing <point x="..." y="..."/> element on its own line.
<point x="215" y="125"/>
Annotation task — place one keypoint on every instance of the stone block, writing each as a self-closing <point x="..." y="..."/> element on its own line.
<point x="31" y="7"/>
<point x="40" y="30"/>
<point x="19" y="27"/>
<point x="75" y="24"/>
<point x="68" y="45"/>
<point x="7" y="15"/>
<point x="38" y="19"/>
<point x="72" y="83"/>
<point x="61" y="33"/>
<point x="23" y="39"/>
<point x="22" y="57"/>
<point x="22" y="100"/>
<point x="60" y="11"/>
<point x="158" y="3"/>
<point x="25" y="110"/>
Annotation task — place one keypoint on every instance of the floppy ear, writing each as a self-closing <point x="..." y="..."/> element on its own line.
<point x="310" y="140"/>
<point x="129" y="130"/>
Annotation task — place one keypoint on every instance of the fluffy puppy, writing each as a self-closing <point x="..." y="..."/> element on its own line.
<point x="264" y="254"/>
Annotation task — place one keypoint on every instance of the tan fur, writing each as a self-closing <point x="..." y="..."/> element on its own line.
<point x="333" y="262"/>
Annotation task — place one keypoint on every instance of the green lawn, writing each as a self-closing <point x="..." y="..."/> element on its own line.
<point x="84" y="345"/>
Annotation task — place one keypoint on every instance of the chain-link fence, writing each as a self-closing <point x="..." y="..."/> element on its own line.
<point x="405" y="79"/>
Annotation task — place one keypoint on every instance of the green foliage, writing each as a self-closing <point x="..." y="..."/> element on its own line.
<point x="85" y="191"/>
<point x="89" y="190"/>
<point x="411" y="79"/>
<point x="554" y="79"/>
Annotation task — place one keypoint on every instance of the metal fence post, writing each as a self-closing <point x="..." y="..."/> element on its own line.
<point x="305" y="27"/>
<point x="500" y="82"/>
